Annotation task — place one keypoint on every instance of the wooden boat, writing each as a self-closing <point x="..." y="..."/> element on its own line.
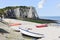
<point x="15" y="26"/>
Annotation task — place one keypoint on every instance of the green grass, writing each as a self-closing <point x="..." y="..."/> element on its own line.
<point x="36" y="21"/>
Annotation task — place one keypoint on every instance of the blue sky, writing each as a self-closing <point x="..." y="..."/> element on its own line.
<point x="43" y="7"/>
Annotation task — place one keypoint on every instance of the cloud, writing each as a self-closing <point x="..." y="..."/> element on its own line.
<point x="58" y="5"/>
<point x="41" y="4"/>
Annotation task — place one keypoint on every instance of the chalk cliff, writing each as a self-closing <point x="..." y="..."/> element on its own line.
<point x="21" y="12"/>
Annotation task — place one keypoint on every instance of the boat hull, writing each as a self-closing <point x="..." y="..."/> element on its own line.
<point x="32" y="34"/>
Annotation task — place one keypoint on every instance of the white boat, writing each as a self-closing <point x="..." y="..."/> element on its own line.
<point x="29" y="30"/>
<point x="29" y="33"/>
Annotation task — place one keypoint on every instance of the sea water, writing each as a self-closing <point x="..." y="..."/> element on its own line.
<point x="51" y="18"/>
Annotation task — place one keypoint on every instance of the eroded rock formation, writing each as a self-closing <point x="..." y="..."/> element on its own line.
<point x="21" y="12"/>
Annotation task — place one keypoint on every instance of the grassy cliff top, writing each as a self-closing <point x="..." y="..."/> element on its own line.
<point x="12" y="7"/>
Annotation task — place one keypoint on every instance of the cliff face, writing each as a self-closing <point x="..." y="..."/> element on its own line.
<point x="21" y="12"/>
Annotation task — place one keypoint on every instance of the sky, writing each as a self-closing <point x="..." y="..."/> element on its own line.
<point x="43" y="7"/>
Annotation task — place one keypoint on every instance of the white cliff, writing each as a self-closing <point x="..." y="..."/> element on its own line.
<point x="24" y="12"/>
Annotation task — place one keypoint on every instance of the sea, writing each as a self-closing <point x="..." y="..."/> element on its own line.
<point x="51" y="18"/>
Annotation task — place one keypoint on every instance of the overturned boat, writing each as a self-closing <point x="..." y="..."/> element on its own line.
<point x="29" y="30"/>
<point x="31" y="34"/>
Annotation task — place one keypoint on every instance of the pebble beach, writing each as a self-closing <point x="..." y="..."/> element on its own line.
<point x="50" y="33"/>
<point x="11" y="35"/>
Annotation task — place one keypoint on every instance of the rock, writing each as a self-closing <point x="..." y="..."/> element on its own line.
<point x="22" y="12"/>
